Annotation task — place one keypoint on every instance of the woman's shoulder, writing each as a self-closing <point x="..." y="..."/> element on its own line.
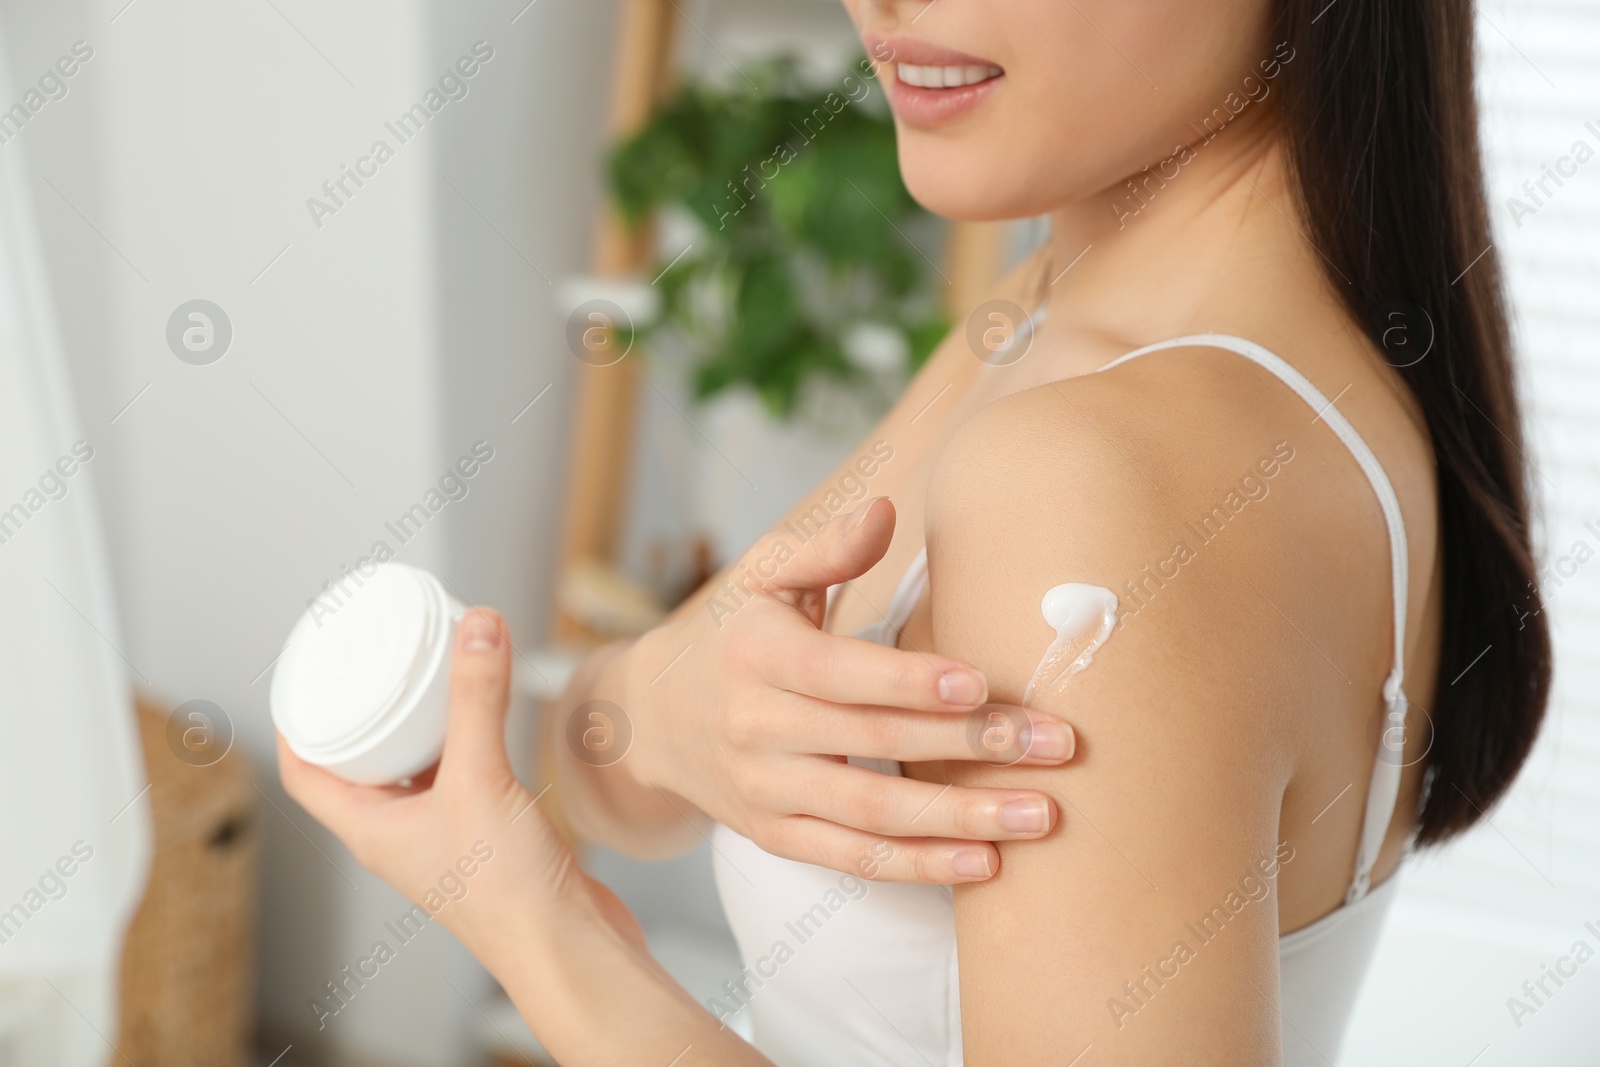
<point x="1210" y="499"/>
<point x="1133" y="441"/>
<point x="1184" y="750"/>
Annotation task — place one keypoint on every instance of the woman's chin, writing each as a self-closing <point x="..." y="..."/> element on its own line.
<point x="964" y="187"/>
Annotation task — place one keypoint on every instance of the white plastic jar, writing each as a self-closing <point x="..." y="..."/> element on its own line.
<point x="362" y="686"/>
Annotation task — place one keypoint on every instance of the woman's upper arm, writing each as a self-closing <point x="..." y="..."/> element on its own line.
<point x="1145" y="925"/>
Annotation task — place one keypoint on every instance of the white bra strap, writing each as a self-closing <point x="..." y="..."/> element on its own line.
<point x="1384" y="790"/>
<point x="906" y="597"/>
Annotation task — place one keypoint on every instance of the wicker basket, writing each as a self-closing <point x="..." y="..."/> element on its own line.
<point x="188" y="959"/>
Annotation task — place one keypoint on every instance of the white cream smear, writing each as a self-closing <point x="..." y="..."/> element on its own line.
<point x="1083" y="617"/>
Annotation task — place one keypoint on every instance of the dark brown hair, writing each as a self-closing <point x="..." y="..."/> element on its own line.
<point x="1381" y="127"/>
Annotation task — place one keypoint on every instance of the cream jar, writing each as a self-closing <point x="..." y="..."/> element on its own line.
<point x="362" y="686"/>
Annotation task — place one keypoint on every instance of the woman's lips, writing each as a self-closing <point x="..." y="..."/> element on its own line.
<point x="932" y="85"/>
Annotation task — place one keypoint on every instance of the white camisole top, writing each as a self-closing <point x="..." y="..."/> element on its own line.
<point x="841" y="972"/>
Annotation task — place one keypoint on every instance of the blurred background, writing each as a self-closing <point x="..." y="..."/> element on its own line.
<point x="256" y="339"/>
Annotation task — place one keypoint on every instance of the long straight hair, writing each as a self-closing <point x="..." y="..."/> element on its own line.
<point x="1381" y="121"/>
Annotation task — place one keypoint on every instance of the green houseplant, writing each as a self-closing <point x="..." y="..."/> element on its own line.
<point x="804" y="231"/>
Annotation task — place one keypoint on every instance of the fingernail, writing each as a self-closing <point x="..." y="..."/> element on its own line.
<point x="859" y="515"/>
<point x="972" y="863"/>
<point x="1050" y="741"/>
<point x="1030" y="815"/>
<point x="479" y="633"/>
<point x="963" y="688"/>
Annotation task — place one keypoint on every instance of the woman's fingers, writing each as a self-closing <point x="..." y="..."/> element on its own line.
<point x="905" y="807"/>
<point x="480" y="690"/>
<point x="877" y="857"/>
<point x="850" y="670"/>
<point x="841" y="669"/>
<point x="995" y="733"/>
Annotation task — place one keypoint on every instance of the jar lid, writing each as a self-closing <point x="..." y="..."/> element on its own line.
<point x="349" y="665"/>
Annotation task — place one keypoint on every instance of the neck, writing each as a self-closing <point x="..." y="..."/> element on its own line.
<point x="1175" y="247"/>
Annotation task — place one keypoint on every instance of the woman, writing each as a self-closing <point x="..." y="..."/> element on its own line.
<point x="1300" y="476"/>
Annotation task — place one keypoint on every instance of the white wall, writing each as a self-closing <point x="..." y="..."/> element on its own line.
<point x="375" y="351"/>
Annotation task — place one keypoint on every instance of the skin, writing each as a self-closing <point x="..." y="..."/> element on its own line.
<point x="1224" y="725"/>
<point x="724" y="727"/>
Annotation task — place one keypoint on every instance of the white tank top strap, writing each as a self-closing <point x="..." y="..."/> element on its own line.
<point x="1384" y="790"/>
<point x="907" y="594"/>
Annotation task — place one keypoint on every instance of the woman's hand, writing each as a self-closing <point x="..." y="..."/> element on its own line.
<point x="746" y="709"/>
<point x="472" y="846"/>
<point x="465" y="839"/>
